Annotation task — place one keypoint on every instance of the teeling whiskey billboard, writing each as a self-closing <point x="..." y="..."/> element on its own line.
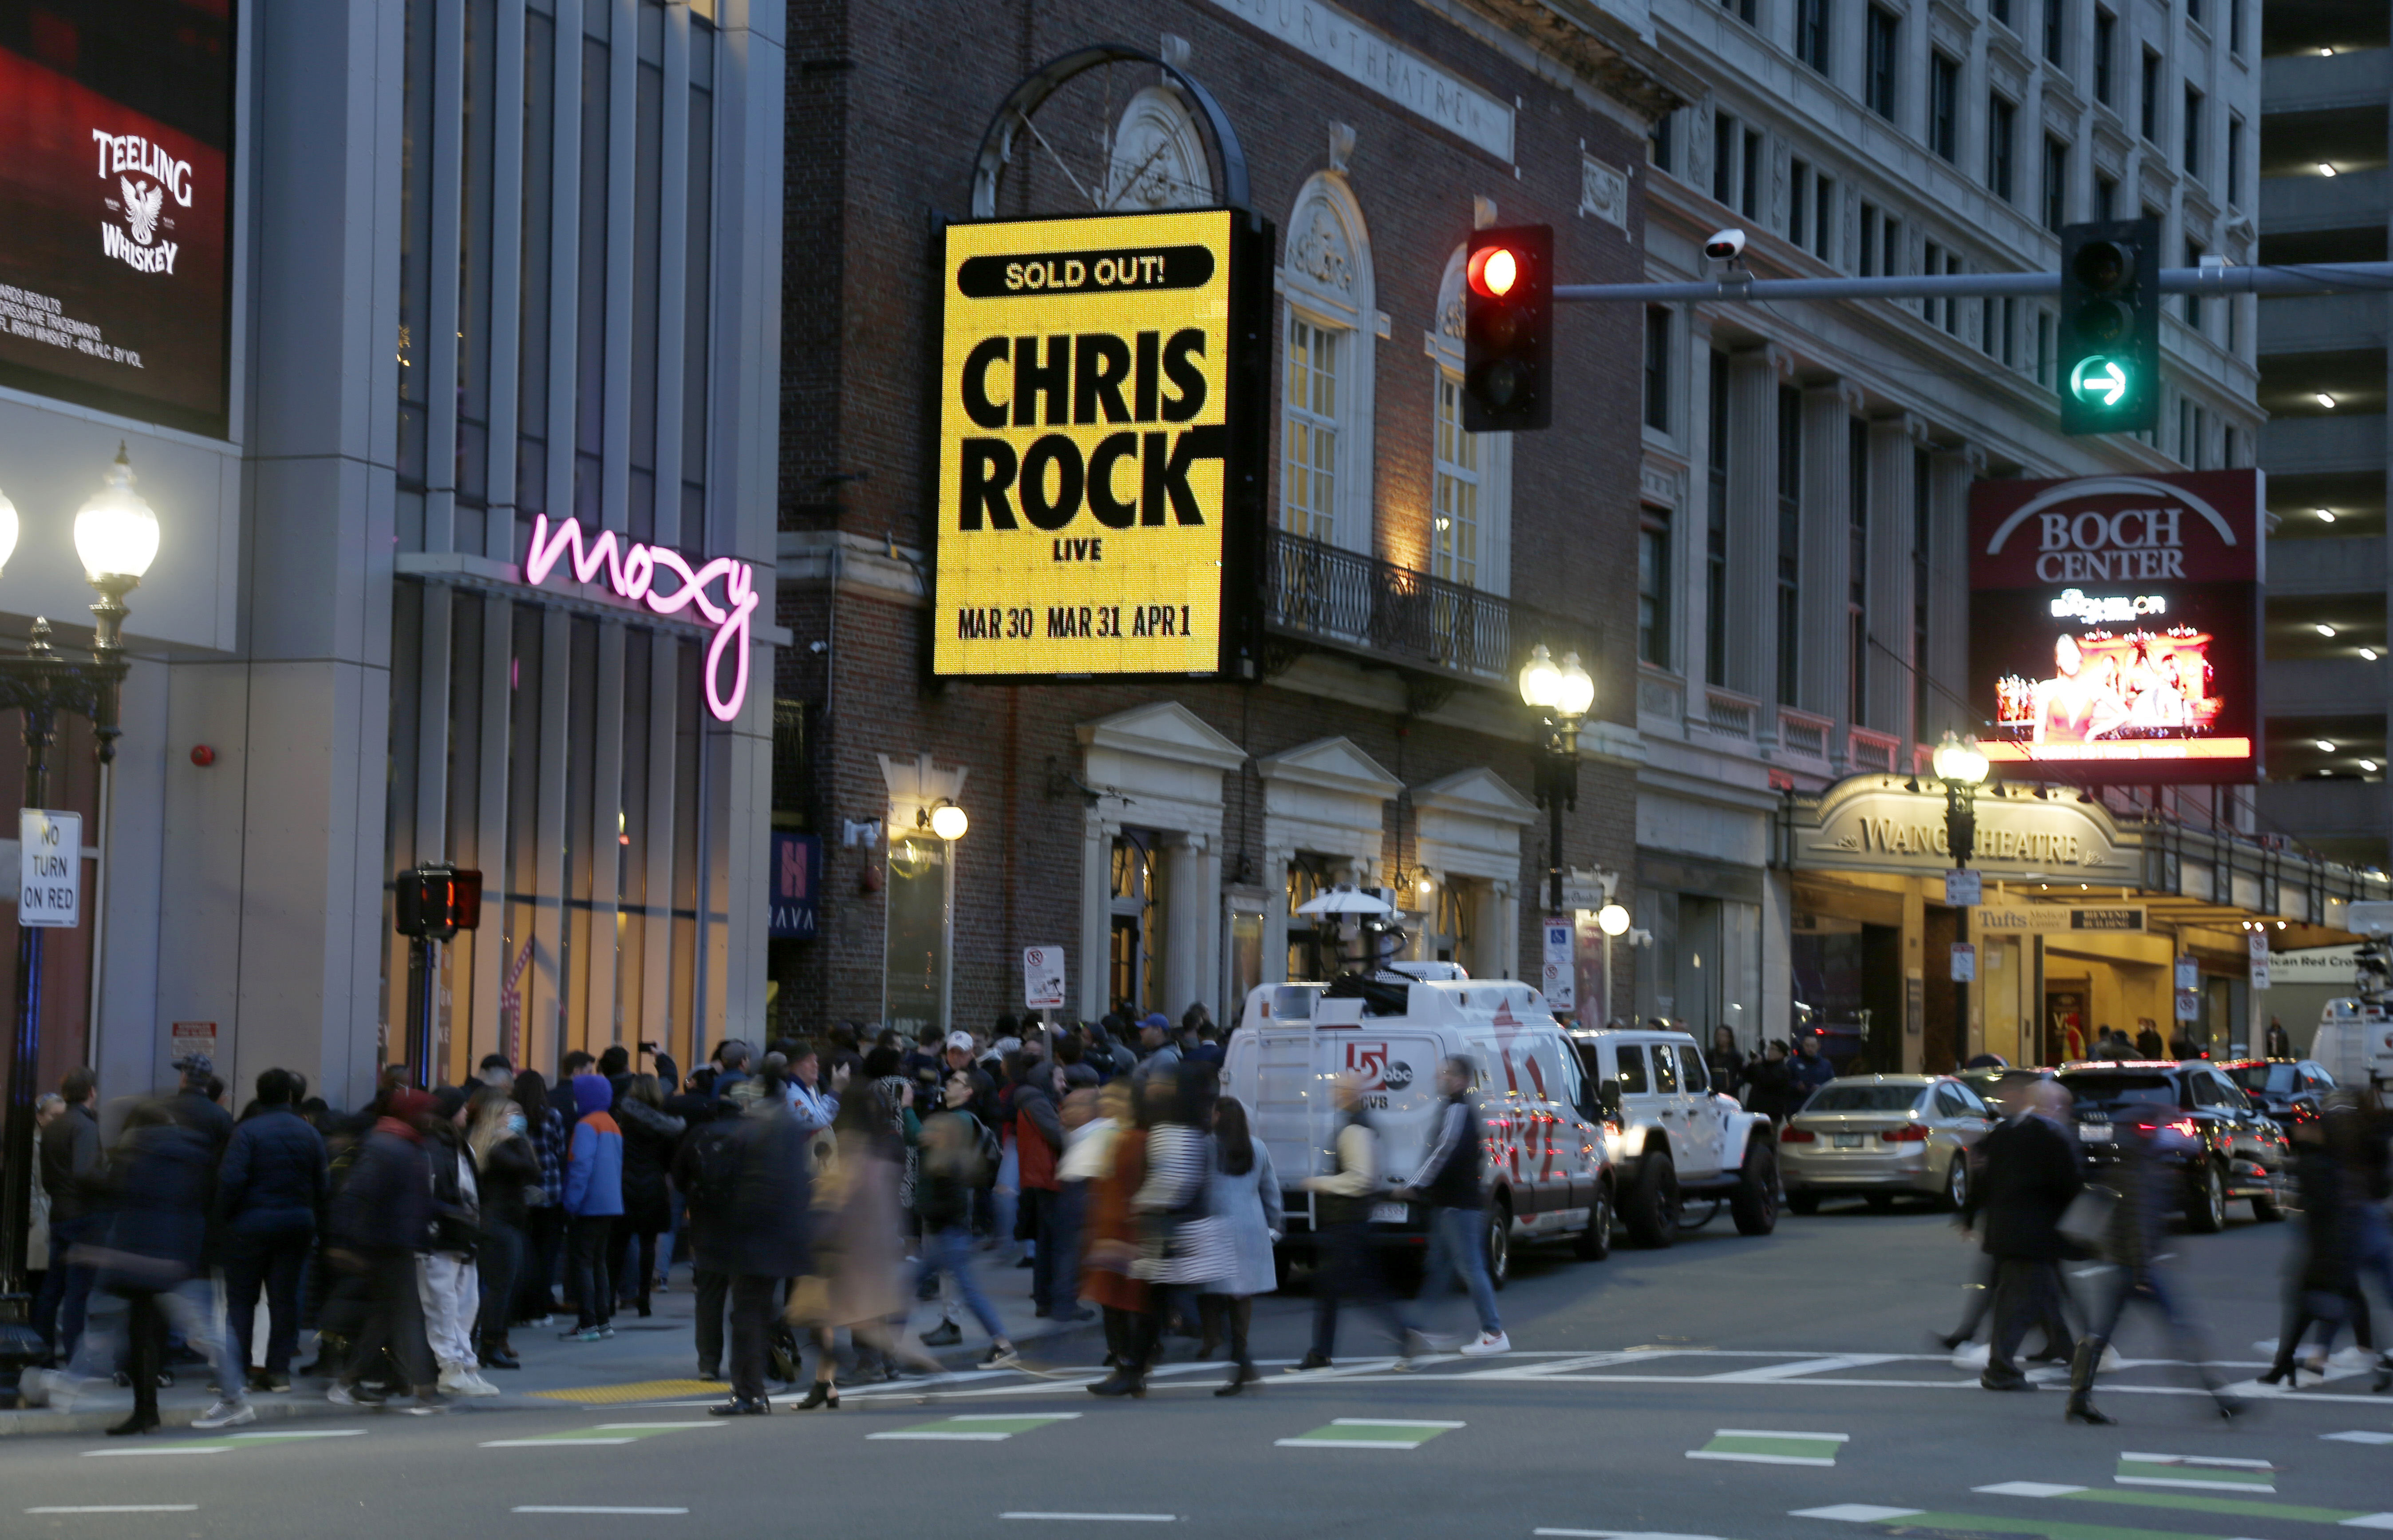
<point x="115" y="218"/>
<point x="2114" y="626"/>
<point x="1099" y="464"/>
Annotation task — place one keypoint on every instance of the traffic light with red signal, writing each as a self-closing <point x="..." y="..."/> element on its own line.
<point x="1507" y="339"/>
<point x="436" y="901"/>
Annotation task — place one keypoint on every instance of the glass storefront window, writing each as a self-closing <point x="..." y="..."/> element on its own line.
<point x="1137" y="949"/>
<point x="915" y="982"/>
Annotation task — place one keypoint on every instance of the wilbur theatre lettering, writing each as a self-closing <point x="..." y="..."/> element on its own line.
<point x="632" y="571"/>
<point x="1091" y="478"/>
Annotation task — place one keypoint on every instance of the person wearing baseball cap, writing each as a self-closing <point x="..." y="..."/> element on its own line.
<point x="194" y="1108"/>
<point x="1157" y="1053"/>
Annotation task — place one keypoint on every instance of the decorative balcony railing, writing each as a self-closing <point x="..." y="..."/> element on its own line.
<point x="1803" y="736"/>
<point x="1729" y="713"/>
<point x="1360" y="603"/>
<point x="1873" y="751"/>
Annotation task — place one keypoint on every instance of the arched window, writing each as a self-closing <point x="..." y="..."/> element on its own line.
<point x="1471" y="498"/>
<point x="1158" y="156"/>
<point x="1326" y="362"/>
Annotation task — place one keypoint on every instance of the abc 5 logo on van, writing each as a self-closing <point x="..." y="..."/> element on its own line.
<point x="1091" y="443"/>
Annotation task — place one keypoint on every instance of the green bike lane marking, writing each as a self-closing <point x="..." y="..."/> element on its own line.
<point x="1760" y="1447"/>
<point x="1369" y="1433"/>
<point x="978" y="1427"/>
<point x="606" y="1434"/>
<point x="2242" y="1508"/>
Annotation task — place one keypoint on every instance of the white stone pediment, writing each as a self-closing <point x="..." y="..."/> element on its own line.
<point x="1327" y="796"/>
<point x="1478" y="792"/>
<point x="1164" y="730"/>
<point x="1333" y="764"/>
<point x="1468" y="825"/>
<point x="1159" y="766"/>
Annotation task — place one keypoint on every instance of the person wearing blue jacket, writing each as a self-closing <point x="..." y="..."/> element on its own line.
<point x="270" y="1194"/>
<point x="594" y="1199"/>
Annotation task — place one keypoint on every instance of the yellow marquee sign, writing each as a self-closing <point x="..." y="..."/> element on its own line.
<point x="1093" y="473"/>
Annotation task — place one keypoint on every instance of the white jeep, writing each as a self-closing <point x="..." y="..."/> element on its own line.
<point x="1672" y="1137"/>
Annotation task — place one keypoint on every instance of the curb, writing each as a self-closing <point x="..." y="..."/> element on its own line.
<point x="304" y="1405"/>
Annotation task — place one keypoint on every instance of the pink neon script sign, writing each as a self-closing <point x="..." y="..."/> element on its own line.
<point x="632" y="571"/>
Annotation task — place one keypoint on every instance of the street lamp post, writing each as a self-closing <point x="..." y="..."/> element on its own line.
<point x="116" y="535"/>
<point x="1961" y="766"/>
<point x="1561" y="697"/>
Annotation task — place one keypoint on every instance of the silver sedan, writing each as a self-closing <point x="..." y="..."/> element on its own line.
<point x="1882" y="1135"/>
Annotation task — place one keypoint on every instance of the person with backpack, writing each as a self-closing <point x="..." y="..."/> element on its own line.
<point x="956" y="1166"/>
<point x="593" y="1197"/>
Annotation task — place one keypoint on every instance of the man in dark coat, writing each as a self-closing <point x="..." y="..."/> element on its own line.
<point x="157" y="1248"/>
<point x="71" y="1164"/>
<point x="270" y="1194"/>
<point x="2031" y="1175"/>
<point x="761" y="1237"/>
<point x="194" y="1108"/>
<point x="382" y="1218"/>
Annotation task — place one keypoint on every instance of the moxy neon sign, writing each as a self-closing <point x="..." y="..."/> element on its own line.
<point x="632" y="571"/>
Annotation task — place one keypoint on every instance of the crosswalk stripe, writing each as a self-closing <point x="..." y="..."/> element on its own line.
<point x="1797" y="1369"/>
<point x="121" y="1507"/>
<point x="2358" y="1436"/>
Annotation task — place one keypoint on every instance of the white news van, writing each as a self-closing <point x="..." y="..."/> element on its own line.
<point x="1546" y="1173"/>
<point x="2355" y="1042"/>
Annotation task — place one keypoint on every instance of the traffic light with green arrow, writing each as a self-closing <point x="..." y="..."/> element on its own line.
<point x="2110" y="349"/>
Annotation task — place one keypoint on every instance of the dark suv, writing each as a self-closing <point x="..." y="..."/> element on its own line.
<point x="2236" y="1151"/>
<point x="2288" y="1090"/>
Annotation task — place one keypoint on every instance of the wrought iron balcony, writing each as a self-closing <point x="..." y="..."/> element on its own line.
<point x="1356" y="603"/>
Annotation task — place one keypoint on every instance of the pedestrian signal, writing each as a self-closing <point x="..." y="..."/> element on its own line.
<point x="436" y="901"/>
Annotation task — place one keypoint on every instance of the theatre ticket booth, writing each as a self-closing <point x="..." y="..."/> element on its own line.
<point x="2094" y="914"/>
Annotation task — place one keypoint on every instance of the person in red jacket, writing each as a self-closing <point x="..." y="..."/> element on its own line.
<point x="1038" y="1145"/>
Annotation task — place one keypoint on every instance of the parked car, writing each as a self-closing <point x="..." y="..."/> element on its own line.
<point x="1670" y="1136"/>
<point x="1884" y="1137"/>
<point x="2288" y="1090"/>
<point x="2002" y="1088"/>
<point x="2231" y="1150"/>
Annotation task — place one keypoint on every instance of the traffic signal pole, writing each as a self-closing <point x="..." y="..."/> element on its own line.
<point x="2310" y="278"/>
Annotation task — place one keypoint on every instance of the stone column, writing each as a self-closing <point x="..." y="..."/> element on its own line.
<point x="1827" y="558"/>
<point x="1691" y="528"/>
<point x="1950" y="471"/>
<point x="1753" y="526"/>
<point x="1892" y="486"/>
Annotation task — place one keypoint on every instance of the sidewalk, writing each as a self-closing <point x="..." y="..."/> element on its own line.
<point x="651" y="1360"/>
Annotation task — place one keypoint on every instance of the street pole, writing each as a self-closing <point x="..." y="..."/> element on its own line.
<point x="1961" y="766"/>
<point x="1738" y="283"/>
<point x="41" y="684"/>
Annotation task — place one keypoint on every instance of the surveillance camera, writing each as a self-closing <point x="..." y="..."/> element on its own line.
<point x="1725" y="246"/>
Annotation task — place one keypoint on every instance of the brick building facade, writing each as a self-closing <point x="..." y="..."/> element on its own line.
<point x="1161" y="833"/>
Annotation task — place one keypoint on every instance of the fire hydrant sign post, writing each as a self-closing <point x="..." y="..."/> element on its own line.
<point x="49" y="883"/>
<point x="1042" y="977"/>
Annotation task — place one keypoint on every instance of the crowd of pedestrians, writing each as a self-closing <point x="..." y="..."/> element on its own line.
<point x="820" y="1191"/>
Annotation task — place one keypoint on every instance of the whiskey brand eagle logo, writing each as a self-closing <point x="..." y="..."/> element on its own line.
<point x="145" y="174"/>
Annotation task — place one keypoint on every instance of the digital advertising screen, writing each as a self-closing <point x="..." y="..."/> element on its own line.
<point x="115" y="204"/>
<point x="1096" y="459"/>
<point x="2114" y="627"/>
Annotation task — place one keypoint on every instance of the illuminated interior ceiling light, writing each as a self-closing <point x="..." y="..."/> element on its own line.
<point x="2326" y="400"/>
<point x="2369" y="653"/>
<point x="2326" y="516"/>
<point x="2325" y="169"/>
<point x="2325" y="746"/>
<point x="2325" y="629"/>
<point x="2369" y="765"/>
<point x="2326" y="53"/>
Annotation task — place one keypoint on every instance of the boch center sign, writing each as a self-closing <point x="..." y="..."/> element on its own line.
<point x="1099" y="460"/>
<point x="2114" y="626"/>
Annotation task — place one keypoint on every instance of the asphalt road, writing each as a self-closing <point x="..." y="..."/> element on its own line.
<point x="1727" y="1387"/>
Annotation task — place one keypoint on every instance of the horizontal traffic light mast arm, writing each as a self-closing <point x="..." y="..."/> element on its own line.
<point x="2314" y="278"/>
